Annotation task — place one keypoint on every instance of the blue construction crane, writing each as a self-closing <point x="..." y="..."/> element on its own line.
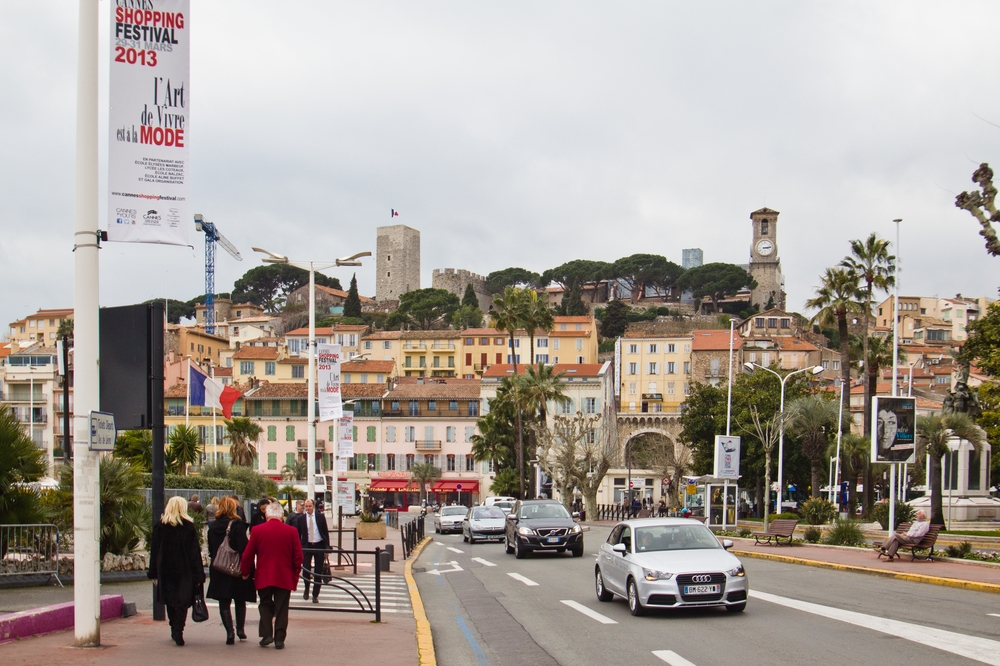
<point x="212" y="236"/>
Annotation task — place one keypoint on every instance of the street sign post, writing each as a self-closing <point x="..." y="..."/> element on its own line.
<point x="458" y="487"/>
<point x="102" y="431"/>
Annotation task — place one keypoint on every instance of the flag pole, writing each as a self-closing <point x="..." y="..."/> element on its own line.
<point x="187" y="409"/>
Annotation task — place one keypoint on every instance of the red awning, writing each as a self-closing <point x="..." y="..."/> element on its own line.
<point x="468" y="486"/>
<point x="393" y="485"/>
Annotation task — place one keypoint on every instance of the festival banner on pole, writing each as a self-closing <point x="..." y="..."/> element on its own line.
<point x="328" y="382"/>
<point x="150" y="100"/>
<point x="345" y="443"/>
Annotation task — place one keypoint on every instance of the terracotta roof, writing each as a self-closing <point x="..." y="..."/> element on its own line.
<point x="714" y="340"/>
<point x="368" y="366"/>
<point x="257" y="318"/>
<point x="276" y="391"/>
<point x="376" y="390"/>
<point x="793" y="344"/>
<point x="926" y="403"/>
<point x="560" y="319"/>
<point x="223" y="372"/>
<point x="257" y="353"/>
<point x="178" y="390"/>
<point x="571" y="369"/>
<point x="568" y="334"/>
<point x="473" y="332"/>
<point x="431" y="335"/>
<point x="648" y="332"/>
<point x="383" y="335"/>
<point x="342" y="294"/>
<point x="330" y="330"/>
<point x="294" y="360"/>
<point x="468" y="390"/>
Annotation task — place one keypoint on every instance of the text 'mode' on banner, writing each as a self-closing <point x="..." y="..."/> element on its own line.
<point x="894" y="438"/>
<point x="727" y="457"/>
<point x="148" y="122"/>
<point x="328" y="382"/>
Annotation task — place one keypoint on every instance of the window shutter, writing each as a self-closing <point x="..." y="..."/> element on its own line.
<point x="371" y="433"/>
<point x="354" y="433"/>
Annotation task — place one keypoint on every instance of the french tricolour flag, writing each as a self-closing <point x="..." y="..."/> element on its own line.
<point x="393" y="212"/>
<point x="208" y="392"/>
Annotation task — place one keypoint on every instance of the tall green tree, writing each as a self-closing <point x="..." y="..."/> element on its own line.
<point x="715" y="281"/>
<point x="639" y="271"/>
<point x="874" y="268"/>
<point x="269" y="286"/>
<point x="541" y="385"/>
<point x="498" y="281"/>
<point x="836" y="297"/>
<point x="509" y="314"/>
<point x="813" y="418"/>
<point x="185" y="447"/>
<point x="352" y="306"/>
<point x="175" y="310"/>
<point x="512" y="394"/>
<point x="577" y="274"/>
<point x="700" y="424"/>
<point x="982" y="348"/>
<point x="469" y="297"/>
<point x="615" y="321"/>
<point x="933" y="433"/>
<point x="572" y="303"/>
<point x="495" y="440"/>
<point x="467" y="317"/>
<point x="537" y="317"/>
<point x="21" y="461"/>
<point x="425" y="308"/>
<point x="243" y="435"/>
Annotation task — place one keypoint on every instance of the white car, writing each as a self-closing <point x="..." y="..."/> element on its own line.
<point x="449" y="519"/>
<point x="483" y="523"/>
<point x="669" y="563"/>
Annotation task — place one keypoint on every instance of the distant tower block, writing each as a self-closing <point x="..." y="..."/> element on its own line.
<point x="397" y="264"/>
<point x="692" y="258"/>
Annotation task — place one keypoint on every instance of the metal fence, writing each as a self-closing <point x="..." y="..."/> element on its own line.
<point x="392" y="518"/>
<point x="412" y="534"/>
<point x="365" y="604"/>
<point x="204" y="495"/>
<point x="29" y="549"/>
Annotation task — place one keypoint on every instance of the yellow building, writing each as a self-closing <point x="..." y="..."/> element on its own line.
<point x="193" y="341"/>
<point x="40" y="327"/>
<point x="383" y="346"/>
<point x="367" y="372"/>
<point x="430" y="353"/>
<point x="572" y="340"/>
<point x="654" y="373"/>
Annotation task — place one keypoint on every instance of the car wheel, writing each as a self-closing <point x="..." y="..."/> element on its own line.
<point x="602" y="592"/>
<point x="577" y="552"/>
<point x="519" y="551"/>
<point x="634" y="604"/>
<point x="737" y="608"/>
<point x="506" y="545"/>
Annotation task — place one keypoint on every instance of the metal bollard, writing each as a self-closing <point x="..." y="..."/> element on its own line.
<point x="390" y="549"/>
<point x="383" y="561"/>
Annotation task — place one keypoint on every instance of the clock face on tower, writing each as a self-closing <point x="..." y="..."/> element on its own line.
<point x="765" y="247"/>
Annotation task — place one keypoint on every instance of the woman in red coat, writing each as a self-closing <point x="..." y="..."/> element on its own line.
<point x="175" y="564"/>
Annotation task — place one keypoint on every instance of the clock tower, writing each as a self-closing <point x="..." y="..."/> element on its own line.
<point x="765" y="267"/>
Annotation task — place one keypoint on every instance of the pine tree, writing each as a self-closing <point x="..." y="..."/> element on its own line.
<point x="352" y="307"/>
<point x="469" y="298"/>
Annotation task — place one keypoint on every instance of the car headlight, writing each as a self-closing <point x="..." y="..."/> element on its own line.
<point x="576" y="529"/>
<point x="653" y="574"/>
<point x="737" y="572"/>
<point x="525" y="531"/>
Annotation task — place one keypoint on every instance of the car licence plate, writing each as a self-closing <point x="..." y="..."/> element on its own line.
<point x="701" y="589"/>
<point x="552" y="540"/>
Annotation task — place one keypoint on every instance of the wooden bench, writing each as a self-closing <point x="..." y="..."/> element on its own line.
<point x="778" y="529"/>
<point x="927" y="543"/>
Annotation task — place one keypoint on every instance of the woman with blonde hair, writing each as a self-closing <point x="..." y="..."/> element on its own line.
<point x="221" y="586"/>
<point x="175" y="564"/>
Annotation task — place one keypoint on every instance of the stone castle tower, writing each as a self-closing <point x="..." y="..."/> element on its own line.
<point x="397" y="262"/>
<point x="455" y="281"/>
<point x="765" y="266"/>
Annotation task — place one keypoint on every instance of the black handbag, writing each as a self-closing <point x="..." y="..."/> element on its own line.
<point x="199" y="611"/>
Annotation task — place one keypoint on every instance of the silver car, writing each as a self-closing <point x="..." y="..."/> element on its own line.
<point x="449" y="519"/>
<point x="483" y="523"/>
<point x="669" y="563"/>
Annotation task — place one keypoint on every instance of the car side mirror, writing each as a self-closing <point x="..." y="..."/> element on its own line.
<point x="727" y="543"/>
<point x="620" y="548"/>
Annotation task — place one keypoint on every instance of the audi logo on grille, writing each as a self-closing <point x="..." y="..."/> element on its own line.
<point x="702" y="578"/>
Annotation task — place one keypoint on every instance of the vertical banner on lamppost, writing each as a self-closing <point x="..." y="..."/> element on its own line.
<point x="894" y="440"/>
<point x="328" y="382"/>
<point x="150" y="100"/>
<point x="345" y="442"/>
<point x="727" y="457"/>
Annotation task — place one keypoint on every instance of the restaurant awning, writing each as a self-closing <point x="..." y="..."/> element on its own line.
<point x="452" y="486"/>
<point x="393" y="485"/>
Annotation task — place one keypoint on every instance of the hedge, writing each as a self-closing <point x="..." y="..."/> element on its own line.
<point x="197" y="483"/>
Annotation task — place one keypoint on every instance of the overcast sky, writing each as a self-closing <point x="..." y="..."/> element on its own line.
<point x="529" y="134"/>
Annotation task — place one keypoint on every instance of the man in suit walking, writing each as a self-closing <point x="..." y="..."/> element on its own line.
<point x="295" y="515"/>
<point x="278" y="553"/>
<point x="315" y="538"/>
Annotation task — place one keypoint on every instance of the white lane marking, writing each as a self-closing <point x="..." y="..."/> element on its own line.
<point x="672" y="658"/>
<point x="438" y="572"/>
<point x="603" y="619"/>
<point x="994" y="614"/>
<point x="526" y="581"/>
<point x="455" y="550"/>
<point x="437" y="543"/>
<point x="485" y="563"/>
<point x="972" y="647"/>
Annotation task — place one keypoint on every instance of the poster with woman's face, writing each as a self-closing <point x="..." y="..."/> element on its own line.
<point x="894" y="431"/>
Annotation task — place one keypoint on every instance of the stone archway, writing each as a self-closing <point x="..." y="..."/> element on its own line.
<point x="631" y="428"/>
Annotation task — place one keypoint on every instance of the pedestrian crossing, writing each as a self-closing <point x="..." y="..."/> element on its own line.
<point x="395" y="594"/>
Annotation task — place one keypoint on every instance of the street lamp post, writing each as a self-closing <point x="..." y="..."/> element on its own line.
<point x="312" y="267"/>
<point x="815" y="370"/>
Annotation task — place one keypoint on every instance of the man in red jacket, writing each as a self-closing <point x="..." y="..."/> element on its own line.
<point x="279" y="562"/>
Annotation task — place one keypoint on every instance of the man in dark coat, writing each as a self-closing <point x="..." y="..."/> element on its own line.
<point x="295" y="515"/>
<point x="315" y="537"/>
<point x="278" y="554"/>
<point x="175" y="564"/>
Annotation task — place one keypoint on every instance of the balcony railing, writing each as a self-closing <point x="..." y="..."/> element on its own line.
<point x="441" y="346"/>
<point x="427" y="445"/>
<point x="303" y="444"/>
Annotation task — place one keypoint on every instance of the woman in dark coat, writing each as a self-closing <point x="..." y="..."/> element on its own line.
<point x="223" y="587"/>
<point x="175" y="564"/>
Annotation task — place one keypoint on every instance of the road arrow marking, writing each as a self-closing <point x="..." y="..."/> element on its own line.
<point x="672" y="658"/>
<point x="588" y="612"/>
<point x="485" y="563"/>
<point x="438" y="572"/>
<point x="526" y="581"/>
<point x="455" y="550"/>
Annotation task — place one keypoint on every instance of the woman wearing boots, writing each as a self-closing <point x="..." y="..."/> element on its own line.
<point x="175" y="564"/>
<point x="227" y="588"/>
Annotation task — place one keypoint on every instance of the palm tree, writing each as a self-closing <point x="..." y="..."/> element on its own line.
<point x="423" y="473"/>
<point x="243" y="433"/>
<point x="812" y="419"/>
<point x="855" y="450"/>
<point x="508" y="314"/>
<point x="512" y="395"/>
<point x="185" y="446"/>
<point x="495" y="441"/>
<point x="21" y="461"/>
<point x="135" y="446"/>
<point x="871" y="263"/>
<point x="539" y="387"/>
<point x="295" y="471"/>
<point x="837" y="296"/>
<point x="933" y="433"/>
<point x="537" y="317"/>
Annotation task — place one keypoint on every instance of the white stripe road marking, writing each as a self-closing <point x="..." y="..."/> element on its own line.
<point x="994" y="614"/>
<point x="455" y="550"/>
<point x="526" y="581"/>
<point x="483" y="562"/>
<point x="672" y="658"/>
<point x="973" y="647"/>
<point x="589" y="613"/>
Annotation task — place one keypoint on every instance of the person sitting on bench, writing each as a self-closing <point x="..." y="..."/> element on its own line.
<point x="912" y="537"/>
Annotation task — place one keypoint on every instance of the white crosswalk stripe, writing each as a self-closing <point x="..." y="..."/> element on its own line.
<point x="395" y="594"/>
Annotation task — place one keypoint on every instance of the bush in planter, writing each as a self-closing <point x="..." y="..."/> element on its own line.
<point x="788" y="515"/>
<point x="880" y="512"/>
<point x="813" y="534"/>
<point x="365" y="517"/>
<point x="818" y="511"/>
<point x="846" y="533"/>
<point x="746" y="532"/>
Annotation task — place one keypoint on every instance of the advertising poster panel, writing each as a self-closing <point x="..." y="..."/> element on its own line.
<point x="894" y="434"/>
<point x="345" y="442"/>
<point x="345" y="496"/>
<point x="727" y="457"/>
<point x="150" y="98"/>
<point x="328" y="382"/>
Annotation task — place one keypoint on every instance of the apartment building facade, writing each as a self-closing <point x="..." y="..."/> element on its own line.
<point x="40" y="327"/>
<point x="654" y="372"/>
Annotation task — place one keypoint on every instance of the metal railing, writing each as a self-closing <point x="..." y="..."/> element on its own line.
<point x="412" y="534"/>
<point x="29" y="549"/>
<point x="427" y="445"/>
<point x="392" y="518"/>
<point x="364" y="603"/>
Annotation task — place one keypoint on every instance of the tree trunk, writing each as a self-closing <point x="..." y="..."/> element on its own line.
<point x="767" y="487"/>
<point x="520" y="456"/>
<point x="817" y="478"/>
<point x="758" y="494"/>
<point x="845" y="368"/>
<point x="937" y="503"/>
<point x="590" y="501"/>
